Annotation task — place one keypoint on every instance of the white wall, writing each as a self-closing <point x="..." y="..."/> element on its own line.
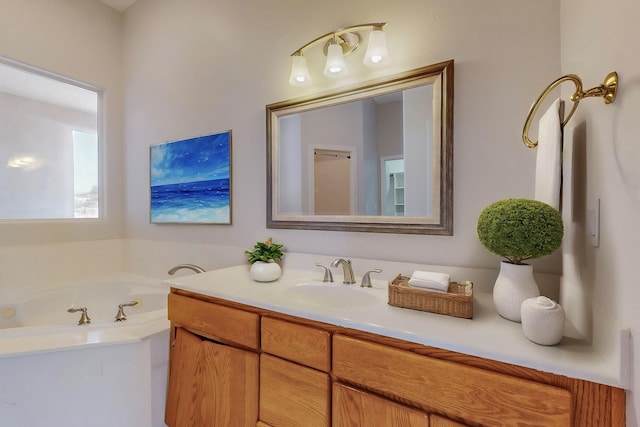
<point x="80" y="40"/>
<point x="195" y="67"/>
<point x="606" y="138"/>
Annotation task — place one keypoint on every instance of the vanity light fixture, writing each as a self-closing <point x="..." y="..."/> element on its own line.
<point x="337" y="45"/>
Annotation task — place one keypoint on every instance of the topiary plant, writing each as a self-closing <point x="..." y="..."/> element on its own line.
<point x="520" y="229"/>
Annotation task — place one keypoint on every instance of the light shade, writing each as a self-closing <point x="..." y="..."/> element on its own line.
<point x="335" y="66"/>
<point x="299" y="71"/>
<point x="377" y="54"/>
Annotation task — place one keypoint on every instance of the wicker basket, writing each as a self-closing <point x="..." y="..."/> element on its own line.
<point x="457" y="301"/>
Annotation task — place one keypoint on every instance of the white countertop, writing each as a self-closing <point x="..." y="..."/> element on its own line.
<point x="487" y="335"/>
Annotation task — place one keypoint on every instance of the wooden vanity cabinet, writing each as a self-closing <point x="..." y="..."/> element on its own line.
<point x="238" y="365"/>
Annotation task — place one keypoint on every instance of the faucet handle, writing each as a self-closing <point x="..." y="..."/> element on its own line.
<point x="84" y="317"/>
<point x="366" y="279"/>
<point x="121" y="316"/>
<point x="328" y="276"/>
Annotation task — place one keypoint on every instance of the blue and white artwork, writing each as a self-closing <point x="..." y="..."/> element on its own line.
<point x="191" y="180"/>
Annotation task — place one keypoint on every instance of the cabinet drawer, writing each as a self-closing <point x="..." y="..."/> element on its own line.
<point x="292" y="395"/>
<point x="302" y="344"/>
<point x="463" y="392"/>
<point x="215" y="321"/>
<point x="356" y="408"/>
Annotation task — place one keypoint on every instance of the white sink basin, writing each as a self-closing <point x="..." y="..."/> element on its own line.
<point x="333" y="295"/>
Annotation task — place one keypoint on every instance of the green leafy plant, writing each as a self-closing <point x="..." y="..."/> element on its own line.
<point x="520" y="229"/>
<point x="265" y="251"/>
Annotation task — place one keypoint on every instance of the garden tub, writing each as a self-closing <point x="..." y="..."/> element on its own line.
<point x="102" y="373"/>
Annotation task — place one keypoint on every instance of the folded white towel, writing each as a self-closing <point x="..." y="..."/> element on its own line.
<point x="549" y="155"/>
<point x="430" y="280"/>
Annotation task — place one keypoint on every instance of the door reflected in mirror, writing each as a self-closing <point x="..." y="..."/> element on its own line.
<point x="377" y="157"/>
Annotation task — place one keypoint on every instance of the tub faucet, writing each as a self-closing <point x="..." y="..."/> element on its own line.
<point x="121" y="316"/>
<point x="84" y="317"/>
<point x="188" y="266"/>
<point x="348" y="278"/>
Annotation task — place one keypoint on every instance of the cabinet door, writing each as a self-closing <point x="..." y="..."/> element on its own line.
<point x="211" y="384"/>
<point x="462" y="392"/>
<point x="292" y="395"/>
<point x="356" y="408"/>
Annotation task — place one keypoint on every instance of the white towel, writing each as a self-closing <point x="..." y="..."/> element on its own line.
<point x="430" y="280"/>
<point x="549" y="155"/>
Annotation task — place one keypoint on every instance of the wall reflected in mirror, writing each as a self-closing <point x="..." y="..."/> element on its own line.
<point x="370" y="158"/>
<point x="378" y="142"/>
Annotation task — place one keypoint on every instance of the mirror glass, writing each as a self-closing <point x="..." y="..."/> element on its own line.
<point x="376" y="157"/>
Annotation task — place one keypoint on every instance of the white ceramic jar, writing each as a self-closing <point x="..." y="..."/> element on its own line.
<point x="542" y="320"/>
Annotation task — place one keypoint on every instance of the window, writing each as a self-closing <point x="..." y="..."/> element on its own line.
<point x="49" y="145"/>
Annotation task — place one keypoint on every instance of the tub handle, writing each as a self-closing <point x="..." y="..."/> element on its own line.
<point x="121" y="316"/>
<point x="84" y="317"/>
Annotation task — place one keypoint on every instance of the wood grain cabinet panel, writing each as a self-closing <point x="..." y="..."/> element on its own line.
<point x="211" y="384"/>
<point x="302" y="344"/>
<point x="462" y="392"/>
<point x="216" y="321"/>
<point x="438" y="421"/>
<point x="292" y="395"/>
<point x="356" y="408"/>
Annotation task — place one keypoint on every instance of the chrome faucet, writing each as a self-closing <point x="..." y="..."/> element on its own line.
<point x="348" y="278"/>
<point x="366" y="279"/>
<point x="328" y="276"/>
<point x="188" y="266"/>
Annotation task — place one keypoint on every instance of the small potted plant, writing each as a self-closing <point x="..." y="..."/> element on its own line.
<point x="518" y="230"/>
<point x="264" y="259"/>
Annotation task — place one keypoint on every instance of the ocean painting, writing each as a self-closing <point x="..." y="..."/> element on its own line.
<point x="191" y="180"/>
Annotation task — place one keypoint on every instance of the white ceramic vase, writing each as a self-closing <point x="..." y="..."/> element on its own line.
<point x="542" y="320"/>
<point x="265" y="271"/>
<point x="514" y="284"/>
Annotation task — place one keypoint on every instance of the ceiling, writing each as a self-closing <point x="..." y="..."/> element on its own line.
<point x="119" y="5"/>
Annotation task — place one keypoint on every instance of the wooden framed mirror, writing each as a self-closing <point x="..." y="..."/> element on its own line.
<point x="376" y="157"/>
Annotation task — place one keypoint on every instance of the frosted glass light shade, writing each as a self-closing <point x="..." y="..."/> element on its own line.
<point x="377" y="54"/>
<point x="335" y="66"/>
<point x="299" y="71"/>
